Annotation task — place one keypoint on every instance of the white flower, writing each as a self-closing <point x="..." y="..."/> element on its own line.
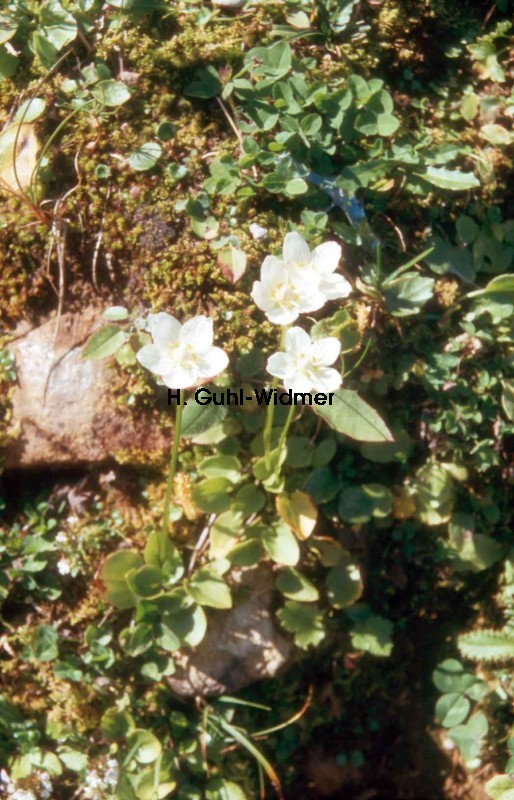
<point x="61" y="537"/>
<point x="46" y="785"/>
<point x="23" y="794"/>
<point x="316" y="267"/>
<point x="93" y="783"/>
<point x="305" y="364"/>
<point x="257" y="231"/>
<point x="182" y="355"/>
<point x="112" y="772"/>
<point x="282" y="298"/>
<point x="72" y="520"/>
<point x="299" y="282"/>
<point x="63" y="566"/>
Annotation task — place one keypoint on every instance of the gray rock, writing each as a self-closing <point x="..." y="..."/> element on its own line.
<point x="64" y="412"/>
<point x="241" y="646"/>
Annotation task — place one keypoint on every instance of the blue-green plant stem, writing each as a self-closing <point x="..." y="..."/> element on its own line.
<point x="173" y="466"/>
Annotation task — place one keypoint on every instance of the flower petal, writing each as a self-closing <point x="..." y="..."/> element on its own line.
<point x="300" y="382"/>
<point x="279" y="365"/>
<point x="312" y="302"/>
<point x="212" y="362"/>
<point x="282" y="316"/>
<point x="150" y="357"/>
<point x="327" y="379"/>
<point x="326" y="257"/>
<point x="298" y="343"/>
<point x="325" y="351"/>
<point x="272" y="269"/>
<point x="164" y="328"/>
<point x="335" y="286"/>
<point x="181" y="377"/>
<point x="260" y="296"/>
<point x="296" y="250"/>
<point x="197" y="333"/>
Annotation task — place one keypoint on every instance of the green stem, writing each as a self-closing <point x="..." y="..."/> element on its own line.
<point x="270" y="411"/>
<point x="173" y="466"/>
<point x="283" y="435"/>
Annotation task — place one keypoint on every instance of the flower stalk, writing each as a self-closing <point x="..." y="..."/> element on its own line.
<point x="270" y="411"/>
<point x="173" y="466"/>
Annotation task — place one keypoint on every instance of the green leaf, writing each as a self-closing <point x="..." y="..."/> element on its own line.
<point x="158" y="668"/>
<point x="73" y="759"/>
<point x="143" y="746"/>
<point x="387" y="124"/>
<point x="105" y="342"/>
<point x="467" y="229"/>
<point x="113" y="575"/>
<point x="279" y="542"/>
<point x="272" y="60"/>
<point x="351" y="415"/>
<point x="166" y="130"/>
<point x="205" y="228"/>
<point x="161" y="552"/>
<point x="300" y="452"/>
<point x="434" y="496"/>
<point x="453" y="180"/>
<point x="137" y="639"/>
<point x="56" y="24"/>
<point x="245" y="554"/>
<point x="496" y="134"/>
<point x="451" y="709"/>
<point x="8" y="26"/>
<point x="371" y="632"/>
<point x="407" y="294"/>
<point x="355" y="506"/>
<point x="189" y="624"/>
<point x="206" y="84"/>
<point x="212" y="495"/>
<point x="507" y="399"/>
<point x="30" y="110"/>
<point x="450" y="676"/>
<point x="145" y="157"/>
<point x="469" y="106"/>
<point x="501" y="787"/>
<point x="473" y="551"/>
<point x="111" y="93"/>
<point x="116" y="724"/>
<point x="232" y="263"/>
<point x="322" y="485"/>
<point x="115" y="313"/>
<point x="248" y="500"/>
<point x="197" y="419"/>
<point x="305" y="622"/>
<point x="44" y="644"/>
<point x="487" y="645"/>
<point x="294" y="585"/>
<point x="296" y="186"/>
<point x="145" y="581"/>
<point x="225" y="532"/>
<point x="209" y="590"/>
<point x="469" y="737"/>
<point x="344" y="584"/>
<point x="221" y="467"/>
<point x="8" y="63"/>
<point x="219" y="789"/>
<point x="44" y="49"/>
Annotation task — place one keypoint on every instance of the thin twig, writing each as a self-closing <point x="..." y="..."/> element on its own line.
<point x="230" y="120"/>
<point x="96" y="252"/>
<point x="200" y="543"/>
